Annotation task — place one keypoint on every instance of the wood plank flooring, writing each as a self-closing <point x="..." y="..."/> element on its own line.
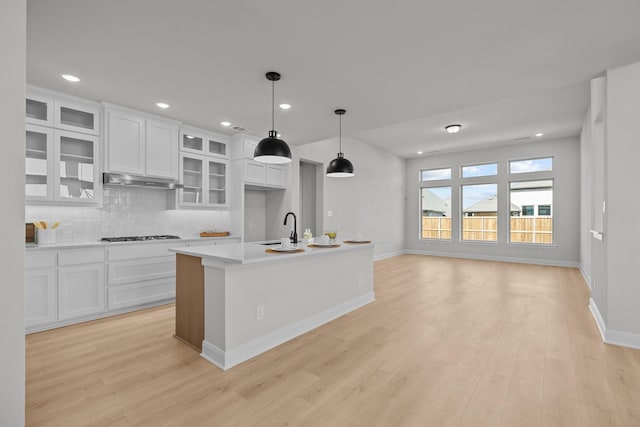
<point x="448" y="342"/>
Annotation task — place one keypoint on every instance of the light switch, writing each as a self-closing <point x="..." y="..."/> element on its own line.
<point x="329" y="213"/>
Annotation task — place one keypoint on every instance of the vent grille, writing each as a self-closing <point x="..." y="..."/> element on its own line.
<point x="523" y="138"/>
<point x="241" y="129"/>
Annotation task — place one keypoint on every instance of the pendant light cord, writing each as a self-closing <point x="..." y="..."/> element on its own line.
<point x="273" y="104"/>
<point x="340" y="134"/>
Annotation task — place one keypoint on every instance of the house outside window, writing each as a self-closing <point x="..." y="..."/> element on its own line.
<point x="544" y="210"/>
<point x="527" y="210"/>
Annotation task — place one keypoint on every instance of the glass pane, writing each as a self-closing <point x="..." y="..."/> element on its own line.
<point x="487" y="169"/>
<point x="216" y="147"/>
<point x="192" y="180"/>
<point x="36" y="109"/>
<point x="77" y="118"/>
<point x="76" y="168"/>
<point x="192" y="142"/>
<point x="36" y="164"/>
<point x="480" y="212"/>
<point x="436" y="213"/>
<point x="531" y="165"/>
<point x="217" y="182"/>
<point x="526" y="198"/>
<point x="435" y="174"/>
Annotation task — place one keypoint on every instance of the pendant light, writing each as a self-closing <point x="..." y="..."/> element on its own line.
<point x="272" y="149"/>
<point x="340" y="167"/>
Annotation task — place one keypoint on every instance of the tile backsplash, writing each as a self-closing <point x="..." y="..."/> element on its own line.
<point x="127" y="212"/>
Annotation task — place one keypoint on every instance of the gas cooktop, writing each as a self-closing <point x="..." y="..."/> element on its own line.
<point x="138" y="238"/>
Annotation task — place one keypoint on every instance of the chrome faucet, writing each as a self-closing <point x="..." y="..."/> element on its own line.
<point x="294" y="233"/>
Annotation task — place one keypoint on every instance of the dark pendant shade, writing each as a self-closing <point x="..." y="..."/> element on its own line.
<point x="340" y="167"/>
<point x="272" y="150"/>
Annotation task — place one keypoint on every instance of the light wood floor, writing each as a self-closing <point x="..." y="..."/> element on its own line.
<point x="448" y="342"/>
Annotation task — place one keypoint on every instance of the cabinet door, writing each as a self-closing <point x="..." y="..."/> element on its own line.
<point x="162" y="150"/>
<point x="76" y="167"/>
<point x="40" y="298"/>
<point x="191" y="141"/>
<point x="39" y="110"/>
<point x="76" y="117"/>
<point x="125" y="143"/>
<point x="276" y="176"/>
<point x="80" y="290"/>
<point x="39" y="163"/>
<point x="216" y="147"/>
<point x="217" y="184"/>
<point x="192" y="172"/>
<point x="255" y="172"/>
<point x="250" y="147"/>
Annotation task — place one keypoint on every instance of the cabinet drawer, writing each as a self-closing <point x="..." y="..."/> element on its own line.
<point x="122" y="272"/>
<point x="151" y="250"/>
<point x="41" y="259"/>
<point x="141" y="293"/>
<point x="80" y="256"/>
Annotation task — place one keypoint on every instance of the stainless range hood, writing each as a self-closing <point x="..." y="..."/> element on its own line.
<point x="125" y="180"/>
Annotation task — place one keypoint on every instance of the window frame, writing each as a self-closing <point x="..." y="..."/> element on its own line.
<point x="534" y="217"/>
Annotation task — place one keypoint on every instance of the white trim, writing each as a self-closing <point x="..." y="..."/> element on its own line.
<point x="586" y="277"/>
<point x="225" y="360"/>
<point x="553" y="262"/>
<point x="609" y="336"/>
<point x="388" y="255"/>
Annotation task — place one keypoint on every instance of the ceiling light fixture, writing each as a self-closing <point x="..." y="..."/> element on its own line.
<point x="70" y="78"/>
<point x="455" y="128"/>
<point x="225" y="124"/>
<point x="539" y="134"/>
<point x="163" y="105"/>
<point x="271" y="149"/>
<point x="285" y="106"/>
<point x="340" y="167"/>
<point x="419" y="152"/>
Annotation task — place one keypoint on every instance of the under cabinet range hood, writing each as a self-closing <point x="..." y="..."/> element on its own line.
<point x="125" y="180"/>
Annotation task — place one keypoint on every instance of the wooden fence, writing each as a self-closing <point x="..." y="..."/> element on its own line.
<point x="485" y="228"/>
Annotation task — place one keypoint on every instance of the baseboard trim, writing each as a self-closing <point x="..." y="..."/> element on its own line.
<point x="609" y="336"/>
<point x="551" y="262"/>
<point x="586" y="277"/>
<point x="227" y="359"/>
<point x="388" y="255"/>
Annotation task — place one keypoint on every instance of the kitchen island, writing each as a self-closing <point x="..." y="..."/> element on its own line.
<point x="236" y="301"/>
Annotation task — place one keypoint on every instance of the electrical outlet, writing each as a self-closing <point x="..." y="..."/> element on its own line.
<point x="329" y="213"/>
<point x="260" y="312"/>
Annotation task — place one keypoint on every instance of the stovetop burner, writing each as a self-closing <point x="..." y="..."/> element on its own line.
<point x="138" y="238"/>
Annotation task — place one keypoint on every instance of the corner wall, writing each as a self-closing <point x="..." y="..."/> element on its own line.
<point x="12" y="104"/>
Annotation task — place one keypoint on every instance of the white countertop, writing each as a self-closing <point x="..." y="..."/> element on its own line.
<point x="32" y="247"/>
<point x="248" y="253"/>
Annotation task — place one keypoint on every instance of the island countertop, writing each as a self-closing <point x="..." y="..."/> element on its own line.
<point x="249" y="253"/>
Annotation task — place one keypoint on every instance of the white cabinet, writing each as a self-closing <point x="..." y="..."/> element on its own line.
<point x="276" y="176"/>
<point x="80" y="290"/>
<point x="40" y="289"/>
<point x="62" y="112"/>
<point x="39" y="163"/>
<point x="141" y="145"/>
<point x="264" y="175"/>
<point x="205" y="181"/>
<point x="39" y="109"/>
<point x="198" y="141"/>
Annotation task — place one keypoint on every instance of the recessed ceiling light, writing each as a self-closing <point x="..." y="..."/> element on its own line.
<point x="70" y="78"/>
<point x="539" y="134"/>
<point x="225" y="124"/>
<point x="285" y="106"/>
<point x="190" y="136"/>
<point x="419" y="152"/>
<point x="455" y="128"/>
<point x="163" y="105"/>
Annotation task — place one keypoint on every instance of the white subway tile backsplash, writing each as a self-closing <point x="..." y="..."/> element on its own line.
<point x="126" y="212"/>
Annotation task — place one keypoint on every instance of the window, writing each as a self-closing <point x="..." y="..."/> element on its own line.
<point x="435" y="174"/>
<point x="530" y="228"/>
<point x="480" y="212"/>
<point x="531" y="165"/>
<point x="527" y="210"/>
<point x="544" y="210"/>
<point x="435" y="215"/>
<point x="487" y="169"/>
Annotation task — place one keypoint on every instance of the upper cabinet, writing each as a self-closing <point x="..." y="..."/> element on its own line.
<point x="199" y="141"/>
<point x="255" y="174"/>
<point x="61" y="149"/>
<point x="140" y="144"/>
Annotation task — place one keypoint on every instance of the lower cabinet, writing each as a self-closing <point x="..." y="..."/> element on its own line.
<point x="80" y="290"/>
<point x="40" y="296"/>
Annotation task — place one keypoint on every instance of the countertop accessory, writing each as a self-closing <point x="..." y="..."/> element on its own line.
<point x="294" y="233"/>
<point x="272" y="149"/>
<point x="214" y="234"/>
<point x="340" y="167"/>
<point x="357" y="241"/>
<point x="30" y="232"/>
<point x="283" y="251"/>
<point x="320" y="245"/>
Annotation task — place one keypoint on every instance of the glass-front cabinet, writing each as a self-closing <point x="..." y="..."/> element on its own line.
<point x="204" y="180"/>
<point x="196" y="141"/>
<point x="39" y="163"/>
<point x="77" y="168"/>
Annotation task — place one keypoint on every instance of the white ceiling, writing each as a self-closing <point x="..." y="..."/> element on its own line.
<point x="505" y="69"/>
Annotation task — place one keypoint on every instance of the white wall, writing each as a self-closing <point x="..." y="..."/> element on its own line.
<point x="585" y="198"/>
<point x="371" y="203"/>
<point x="255" y="207"/>
<point x="12" y="93"/>
<point x="623" y="202"/>
<point x="566" y="174"/>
